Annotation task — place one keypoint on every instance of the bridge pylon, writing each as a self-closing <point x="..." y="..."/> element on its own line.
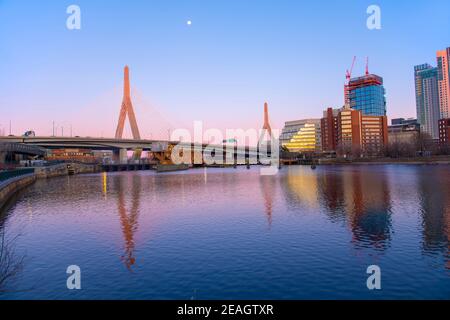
<point x="127" y="109"/>
<point x="266" y="129"/>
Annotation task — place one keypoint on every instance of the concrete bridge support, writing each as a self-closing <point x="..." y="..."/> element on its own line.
<point x="120" y="156"/>
<point x="2" y="157"/>
<point x="123" y="156"/>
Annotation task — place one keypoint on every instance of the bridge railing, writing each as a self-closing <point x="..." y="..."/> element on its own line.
<point x="21" y="148"/>
<point x="8" y="174"/>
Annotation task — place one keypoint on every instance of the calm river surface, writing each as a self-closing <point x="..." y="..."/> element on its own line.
<point x="233" y="234"/>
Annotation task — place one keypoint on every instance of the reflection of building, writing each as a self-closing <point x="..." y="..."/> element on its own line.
<point x="362" y="198"/>
<point x="302" y="188"/>
<point x="404" y="130"/>
<point x="355" y="131"/>
<point x="366" y="94"/>
<point x="427" y="98"/>
<point x="368" y="206"/>
<point x="302" y="136"/>
<point x="435" y="201"/>
<point x="443" y="69"/>
<point x="444" y="131"/>
<point x="331" y="193"/>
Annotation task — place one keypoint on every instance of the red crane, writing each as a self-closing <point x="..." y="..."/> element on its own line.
<point x="367" y="66"/>
<point x="348" y="74"/>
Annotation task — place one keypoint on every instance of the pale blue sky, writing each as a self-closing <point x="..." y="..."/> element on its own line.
<point x="235" y="55"/>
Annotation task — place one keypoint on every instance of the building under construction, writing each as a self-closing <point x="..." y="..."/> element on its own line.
<point x="365" y="93"/>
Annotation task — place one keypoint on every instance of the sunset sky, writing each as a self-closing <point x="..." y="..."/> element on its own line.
<point x="219" y="69"/>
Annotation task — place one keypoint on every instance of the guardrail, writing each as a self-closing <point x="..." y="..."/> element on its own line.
<point x="5" y="175"/>
<point x="21" y="148"/>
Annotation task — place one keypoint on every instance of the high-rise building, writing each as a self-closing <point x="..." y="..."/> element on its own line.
<point x="349" y="131"/>
<point x="443" y="69"/>
<point x="329" y="128"/>
<point x="302" y="136"/>
<point x="427" y="98"/>
<point x="367" y="94"/>
<point x="444" y="131"/>
<point x="374" y="134"/>
<point x="355" y="132"/>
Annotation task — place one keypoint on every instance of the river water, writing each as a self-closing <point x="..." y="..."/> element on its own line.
<point x="234" y="234"/>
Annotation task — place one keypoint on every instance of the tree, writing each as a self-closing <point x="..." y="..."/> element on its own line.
<point x="425" y="143"/>
<point x="397" y="149"/>
<point x="9" y="265"/>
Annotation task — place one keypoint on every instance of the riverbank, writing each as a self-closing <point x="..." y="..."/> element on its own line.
<point x="9" y="187"/>
<point x="435" y="160"/>
<point x="13" y="185"/>
<point x="65" y="169"/>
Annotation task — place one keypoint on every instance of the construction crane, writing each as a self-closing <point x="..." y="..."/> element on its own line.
<point x="367" y="66"/>
<point x="348" y="76"/>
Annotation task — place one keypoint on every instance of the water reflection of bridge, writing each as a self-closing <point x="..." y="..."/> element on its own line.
<point x="128" y="215"/>
<point x="360" y="198"/>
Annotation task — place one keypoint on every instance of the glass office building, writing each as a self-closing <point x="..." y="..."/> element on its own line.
<point x="302" y="136"/>
<point x="427" y="98"/>
<point x="367" y="94"/>
<point x="443" y="69"/>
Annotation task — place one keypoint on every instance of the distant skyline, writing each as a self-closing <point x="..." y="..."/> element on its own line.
<point x="213" y="61"/>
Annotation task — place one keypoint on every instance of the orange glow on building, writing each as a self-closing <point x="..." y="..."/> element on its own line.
<point x="348" y="131"/>
<point x="443" y="61"/>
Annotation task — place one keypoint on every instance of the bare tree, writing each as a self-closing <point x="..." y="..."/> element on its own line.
<point x="398" y="149"/>
<point x="444" y="149"/>
<point x="425" y="143"/>
<point x="344" y="150"/>
<point x="10" y="266"/>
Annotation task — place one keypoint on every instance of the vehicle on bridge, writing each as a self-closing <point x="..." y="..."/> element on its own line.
<point x="29" y="133"/>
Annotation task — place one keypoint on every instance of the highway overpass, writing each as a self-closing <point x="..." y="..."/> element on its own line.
<point x="86" y="142"/>
<point x="117" y="145"/>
